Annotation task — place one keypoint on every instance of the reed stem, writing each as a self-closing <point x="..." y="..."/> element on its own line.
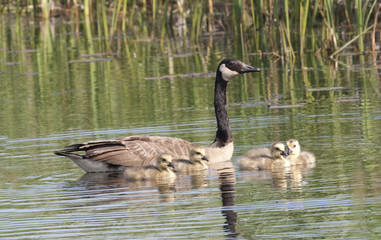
<point x="284" y="26"/>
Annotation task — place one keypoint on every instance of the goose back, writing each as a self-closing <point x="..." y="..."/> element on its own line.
<point x="131" y="151"/>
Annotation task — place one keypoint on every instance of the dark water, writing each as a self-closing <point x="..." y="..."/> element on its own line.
<point x="51" y="98"/>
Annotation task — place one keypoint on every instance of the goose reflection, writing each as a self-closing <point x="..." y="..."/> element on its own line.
<point x="97" y="185"/>
<point x="227" y="181"/>
<point x="95" y="190"/>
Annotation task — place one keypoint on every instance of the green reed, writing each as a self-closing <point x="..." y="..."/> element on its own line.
<point x="283" y="27"/>
<point x="115" y="14"/>
<point x="359" y="17"/>
<point x="196" y="20"/>
<point x="304" y="10"/>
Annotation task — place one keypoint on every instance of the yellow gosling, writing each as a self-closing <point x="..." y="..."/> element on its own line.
<point x="198" y="161"/>
<point x="264" y="158"/>
<point x="298" y="157"/>
<point x="163" y="170"/>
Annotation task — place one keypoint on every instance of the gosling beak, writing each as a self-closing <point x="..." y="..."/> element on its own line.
<point x="170" y="164"/>
<point x="289" y="151"/>
<point x="284" y="153"/>
<point x="205" y="158"/>
<point x="247" y="68"/>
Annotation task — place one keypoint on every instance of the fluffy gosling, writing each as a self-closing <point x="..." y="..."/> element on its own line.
<point x="298" y="157"/>
<point x="264" y="158"/>
<point x="198" y="161"/>
<point x="163" y="169"/>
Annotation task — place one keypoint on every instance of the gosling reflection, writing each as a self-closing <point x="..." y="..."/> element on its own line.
<point x="282" y="179"/>
<point x="193" y="180"/>
<point x="198" y="179"/>
<point x="279" y="179"/>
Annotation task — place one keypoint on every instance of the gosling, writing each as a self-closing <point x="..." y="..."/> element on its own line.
<point x="264" y="158"/>
<point x="198" y="161"/>
<point x="298" y="157"/>
<point x="163" y="170"/>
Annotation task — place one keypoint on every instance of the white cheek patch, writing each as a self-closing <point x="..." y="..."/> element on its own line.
<point x="227" y="74"/>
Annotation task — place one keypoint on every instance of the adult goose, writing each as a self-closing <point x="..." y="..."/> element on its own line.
<point x="264" y="158"/>
<point x="114" y="155"/>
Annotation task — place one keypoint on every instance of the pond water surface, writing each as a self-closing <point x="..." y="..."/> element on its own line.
<point x="50" y="97"/>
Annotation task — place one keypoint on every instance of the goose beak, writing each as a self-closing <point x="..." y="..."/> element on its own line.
<point x="247" y="68"/>
<point x="284" y="153"/>
<point x="205" y="158"/>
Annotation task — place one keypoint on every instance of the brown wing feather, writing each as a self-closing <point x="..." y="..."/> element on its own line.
<point x="133" y="150"/>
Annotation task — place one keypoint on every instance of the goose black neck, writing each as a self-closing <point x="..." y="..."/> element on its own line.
<point x="224" y="132"/>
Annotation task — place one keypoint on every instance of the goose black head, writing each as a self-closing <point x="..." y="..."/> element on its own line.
<point x="230" y="68"/>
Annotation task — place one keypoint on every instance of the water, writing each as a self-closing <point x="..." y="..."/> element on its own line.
<point x="48" y="102"/>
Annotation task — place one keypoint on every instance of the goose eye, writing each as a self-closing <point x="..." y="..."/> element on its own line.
<point x="294" y="145"/>
<point x="230" y="63"/>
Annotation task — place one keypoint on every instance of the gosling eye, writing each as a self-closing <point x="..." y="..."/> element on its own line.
<point x="294" y="145"/>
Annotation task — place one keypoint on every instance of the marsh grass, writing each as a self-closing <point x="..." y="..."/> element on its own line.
<point x="283" y="27"/>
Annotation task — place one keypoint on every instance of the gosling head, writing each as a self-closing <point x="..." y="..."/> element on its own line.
<point x="293" y="147"/>
<point x="164" y="162"/>
<point x="278" y="150"/>
<point x="230" y="68"/>
<point x="197" y="154"/>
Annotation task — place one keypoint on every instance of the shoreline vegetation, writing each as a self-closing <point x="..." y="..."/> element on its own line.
<point x="79" y="71"/>
<point x="282" y="28"/>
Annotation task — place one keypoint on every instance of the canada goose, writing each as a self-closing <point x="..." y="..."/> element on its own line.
<point x="197" y="161"/>
<point x="264" y="158"/>
<point x="112" y="155"/>
<point x="163" y="169"/>
<point x="298" y="157"/>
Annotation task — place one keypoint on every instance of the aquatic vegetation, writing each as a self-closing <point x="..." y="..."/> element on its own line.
<point x="281" y="27"/>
